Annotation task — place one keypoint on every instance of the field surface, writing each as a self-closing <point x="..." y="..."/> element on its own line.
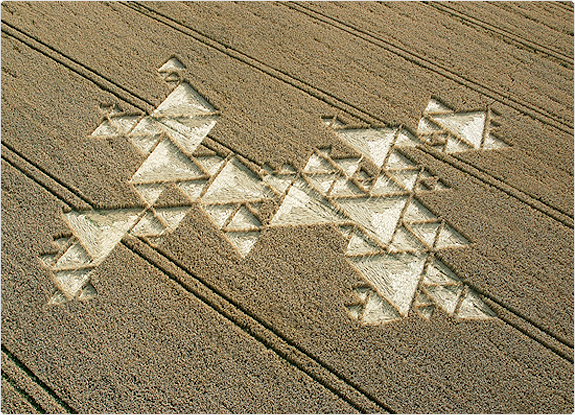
<point x="314" y="207"/>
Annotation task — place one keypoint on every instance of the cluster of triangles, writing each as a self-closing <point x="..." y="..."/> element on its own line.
<point x="455" y="132"/>
<point x="396" y="291"/>
<point x="233" y="201"/>
<point x="70" y="265"/>
<point x="441" y="288"/>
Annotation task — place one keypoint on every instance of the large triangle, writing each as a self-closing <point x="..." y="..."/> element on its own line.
<point x="236" y="183"/>
<point x="100" y="231"/>
<point x="467" y="125"/>
<point x="188" y="133"/>
<point x="378" y="215"/>
<point x="184" y="101"/>
<point x="395" y="276"/>
<point x="166" y="163"/>
<point x="373" y="143"/>
<point x="304" y="206"/>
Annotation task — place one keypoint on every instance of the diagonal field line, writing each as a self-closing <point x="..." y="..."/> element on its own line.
<point x="37" y="380"/>
<point x="533" y="111"/>
<point x="564" y="59"/>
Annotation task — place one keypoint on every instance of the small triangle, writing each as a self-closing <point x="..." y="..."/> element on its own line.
<point x="287" y="169"/>
<point x="348" y="165"/>
<point x="362" y="293"/>
<point x="172" y="216"/>
<point x="172" y="196"/>
<point x="378" y="311"/>
<point x="333" y="122"/>
<point x="405" y="138"/>
<point x="188" y="133"/>
<point x="305" y="206"/>
<point x="321" y="182"/>
<point x="472" y="307"/>
<point x="62" y="243"/>
<point x="426" y="312"/>
<point x="398" y="161"/>
<point x="74" y="257"/>
<point x="494" y="143"/>
<point x="49" y="259"/>
<point x="378" y="215"/>
<point x="436" y="107"/>
<point x="236" y="184"/>
<point x="426" y="232"/>
<point x="426" y="126"/>
<point x="279" y="183"/>
<point x="345" y="188"/>
<point x="155" y="241"/>
<point x="404" y="241"/>
<point x="211" y="164"/>
<point x="87" y="293"/>
<point x="445" y="296"/>
<point x="100" y="231"/>
<point x="145" y="143"/>
<point x="172" y="65"/>
<point x="171" y="78"/>
<point x="125" y="124"/>
<point x="373" y="143"/>
<point x="396" y="276"/>
<point x="438" y="274"/>
<point x="150" y="192"/>
<point x="456" y="146"/>
<point x="243" y="220"/>
<point x="416" y="212"/>
<point x="423" y="299"/>
<point x="192" y="189"/>
<point x="58" y="298"/>
<point x="317" y="164"/>
<point x="220" y="213"/>
<point x="149" y="225"/>
<point x="361" y="245"/>
<point x="346" y="230"/>
<point x="71" y="282"/>
<point x="405" y="178"/>
<point x="166" y="163"/>
<point x="184" y="101"/>
<point x="385" y="185"/>
<point x="106" y="129"/>
<point x="467" y="125"/>
<point x="449" y="237"/>
<point x="243" y="241"/>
